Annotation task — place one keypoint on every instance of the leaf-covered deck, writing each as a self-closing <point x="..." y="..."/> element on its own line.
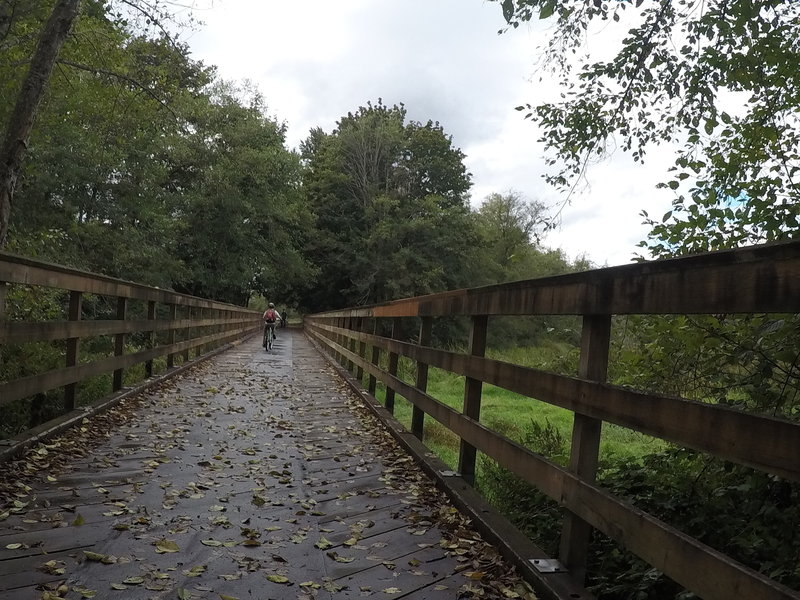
<point x="254" y="476"/>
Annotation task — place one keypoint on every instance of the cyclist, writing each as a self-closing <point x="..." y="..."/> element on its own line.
<point x="271" y="316"/>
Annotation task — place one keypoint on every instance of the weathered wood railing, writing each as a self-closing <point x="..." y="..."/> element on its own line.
<point x="184" y="323"/>
<point x="760" y="279"/>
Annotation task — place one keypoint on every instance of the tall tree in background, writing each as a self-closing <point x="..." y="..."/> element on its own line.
<point x="18" y="129"/>
<point x="242" y="221"/>
<point x="511" y="226"/>
<point x="717" y="77"/>
<point x="391" y="204"/>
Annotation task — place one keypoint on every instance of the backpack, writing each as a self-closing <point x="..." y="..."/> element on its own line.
<point x="270" y="315"/>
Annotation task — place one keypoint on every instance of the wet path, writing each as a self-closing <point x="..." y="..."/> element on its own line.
<point x="255" y="476"/>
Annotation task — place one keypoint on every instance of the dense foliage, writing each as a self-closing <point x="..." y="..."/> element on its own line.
<point x="718" y="79"/>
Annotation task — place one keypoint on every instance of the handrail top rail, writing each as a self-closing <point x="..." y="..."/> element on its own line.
<point x="762" y="278"/>
<point x="19" y="269"/>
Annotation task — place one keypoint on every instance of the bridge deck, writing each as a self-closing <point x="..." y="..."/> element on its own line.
<point x="254" y="476"/>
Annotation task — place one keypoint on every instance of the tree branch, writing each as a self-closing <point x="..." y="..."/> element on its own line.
<point x="149" y="91"/>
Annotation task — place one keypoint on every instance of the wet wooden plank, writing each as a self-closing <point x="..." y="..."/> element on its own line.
<point x="249" y="473"/>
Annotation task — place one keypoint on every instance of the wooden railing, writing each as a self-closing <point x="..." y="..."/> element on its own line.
<point x="169" y="326"/>
<point x="759" y="279"/>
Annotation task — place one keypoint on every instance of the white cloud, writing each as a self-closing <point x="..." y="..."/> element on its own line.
<point x="316" y="60"/>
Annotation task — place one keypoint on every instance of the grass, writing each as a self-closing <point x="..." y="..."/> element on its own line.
<point x="512" y="414"/>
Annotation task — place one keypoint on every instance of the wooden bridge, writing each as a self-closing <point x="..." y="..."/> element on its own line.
<point x="226" y="472"/>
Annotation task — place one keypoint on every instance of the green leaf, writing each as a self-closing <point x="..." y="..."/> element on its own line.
<point x="166" y="546"/>
<point x="547" y="9"/>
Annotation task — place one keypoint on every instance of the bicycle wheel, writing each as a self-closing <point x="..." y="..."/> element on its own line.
<point x="264" y="341"/>
<point x="270" y="338"/>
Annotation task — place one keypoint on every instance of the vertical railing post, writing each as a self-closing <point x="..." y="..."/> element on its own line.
<point x="341" y="322"/>
<point x="151" y="337"/>
<point x="417" y="414"/>
<point x="186" y="332"/>
<point x="351" y="344"/>
<point x="337" y="338"/>
<point x="73" y="346"/>
<point x="375" y="358"/>
<point x="472" y="397"/>
<point x="119" y="341"/>
<point x="173" y="314"/>
<point x="348" y="342"/>
<point x="362" y="350"/>
<point x="199" y="315"/>
<point x="397" y="325"/>
<point x="595" y="339"/>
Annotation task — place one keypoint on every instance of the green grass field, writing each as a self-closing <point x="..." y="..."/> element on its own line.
<point x="511" y="414"/>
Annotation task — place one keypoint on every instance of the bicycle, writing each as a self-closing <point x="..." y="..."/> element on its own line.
<point x="269" y="336"/>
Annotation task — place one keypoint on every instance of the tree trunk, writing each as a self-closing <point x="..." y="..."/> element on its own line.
<point x="30" y="96"/>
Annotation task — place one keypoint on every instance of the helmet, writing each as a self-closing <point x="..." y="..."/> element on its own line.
<point x="271" y="305"/>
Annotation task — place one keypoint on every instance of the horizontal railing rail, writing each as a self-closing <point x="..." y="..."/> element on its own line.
<point x="761" y="279"/>
<point x="183" y="323"/>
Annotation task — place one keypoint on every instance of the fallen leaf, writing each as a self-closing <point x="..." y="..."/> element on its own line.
<point x="342" y="559"/>
<point x="164" y="545"/>
<point x="477" y="575"/>
<point x="278" y="579"/>
<point x="134" y="580"/>
<point x="392" y="590"/>
<point x="323" y="544"/>
<point x="54" y="567"/>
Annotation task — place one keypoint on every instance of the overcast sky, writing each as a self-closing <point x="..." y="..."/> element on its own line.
<point x="316" y="60"/>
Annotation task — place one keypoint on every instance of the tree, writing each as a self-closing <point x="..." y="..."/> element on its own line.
<point x="242" y="220"/>
<point x="390" y="200"/>
<point x="511" y="225"/>
<point x="18" y="130"/>
<point x="147" y="14"/>
<point x="716" y="77"/>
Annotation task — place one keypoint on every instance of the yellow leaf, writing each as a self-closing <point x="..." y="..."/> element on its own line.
<point x="323" y="544"/>
<point x="392" y="590"/>
<point x="212" y="543"/>
<point x="277" y="579"/>
<point x="164" y="545"/>
<point x="79" y="520"/>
